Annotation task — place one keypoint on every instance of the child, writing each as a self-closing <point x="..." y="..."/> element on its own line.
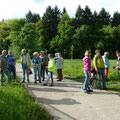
<point x="51" y="68"/>
<point x="118" y="61"/>
<point x="106" y="63"/>
<point x="36" y="61"/>
<point x="87" y="70"/>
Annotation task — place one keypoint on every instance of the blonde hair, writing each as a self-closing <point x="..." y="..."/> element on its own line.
<point x="97" y="51"/>
<point x="35" y="53"/>
<point x="87" y="52"/>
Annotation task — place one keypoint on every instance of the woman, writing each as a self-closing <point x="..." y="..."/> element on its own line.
<point x="87" y="70"/>
<point x="36" y="61"/>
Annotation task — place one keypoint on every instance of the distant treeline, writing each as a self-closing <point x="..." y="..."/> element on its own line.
<point x="55" y="31"/>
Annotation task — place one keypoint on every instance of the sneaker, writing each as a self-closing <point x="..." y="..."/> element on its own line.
<point x="87" y="92"/>
<point x="44" y="84"/>
<point x="23" y="81"/>
<point x="51" y="85"/>
<point x="35" y="82"/>
<point x="40" y="82"/>
<point x="90" y="90"/>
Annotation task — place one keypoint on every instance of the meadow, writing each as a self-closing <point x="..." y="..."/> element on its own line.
<point x="73" y="69"/>
<point x="17" y="104"/>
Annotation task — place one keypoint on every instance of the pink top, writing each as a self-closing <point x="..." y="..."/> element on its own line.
<point x="87" y="64"/>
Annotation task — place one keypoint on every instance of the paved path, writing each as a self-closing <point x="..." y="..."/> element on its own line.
<point x="66" y="100"/>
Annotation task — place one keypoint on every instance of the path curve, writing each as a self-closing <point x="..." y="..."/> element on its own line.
<point x="66" y="100"/>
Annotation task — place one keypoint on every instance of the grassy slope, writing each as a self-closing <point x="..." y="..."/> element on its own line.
<point x="17" y="104"/>
<point x="73" y="69"/>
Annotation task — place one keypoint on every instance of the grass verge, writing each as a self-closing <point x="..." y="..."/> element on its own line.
<point x="17" y="104"/>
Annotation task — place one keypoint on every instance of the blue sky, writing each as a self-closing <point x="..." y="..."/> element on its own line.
<point x="10" y="9"/>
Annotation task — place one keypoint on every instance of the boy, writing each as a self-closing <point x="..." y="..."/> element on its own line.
<point x="51" y="69"/>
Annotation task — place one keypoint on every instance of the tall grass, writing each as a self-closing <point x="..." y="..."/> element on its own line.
<point x="17" y="104"/>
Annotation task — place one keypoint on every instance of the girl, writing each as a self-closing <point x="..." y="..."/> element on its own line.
<point x="87" y="70"/>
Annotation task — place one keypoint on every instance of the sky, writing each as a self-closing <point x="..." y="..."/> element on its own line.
<point x="10" y="9"/>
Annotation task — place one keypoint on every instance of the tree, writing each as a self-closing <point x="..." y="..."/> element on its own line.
<point x="32" y="17"/>
<point x="116" y="19"/>
<point x="79" y="16"/>
<point x="104" y="17"/>
<point x="87" y="16"/>
<point x="26" y="38"/>
<point x="64" y="11"/>
<point x="51" y="20"/>
<point x="63" y="41"/>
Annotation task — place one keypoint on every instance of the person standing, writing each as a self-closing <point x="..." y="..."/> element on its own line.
<point x="100" y="69"/>
<point x="4" y="68"/>
<point x="11" y="64"/>
<point x="44" y="64"/>
<point x="25" y="60"/>
<point x="36" y="61"/>
<point x="118" y="61"/>
<point x="51" y="69"/>
<point x="87" y="70"/>
<point x="106" y="63"/>
<point x="59" y="66"/>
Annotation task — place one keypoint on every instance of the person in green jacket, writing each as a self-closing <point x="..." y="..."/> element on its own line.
<point x="51" y="69"/>
<point x="100" y="68"/>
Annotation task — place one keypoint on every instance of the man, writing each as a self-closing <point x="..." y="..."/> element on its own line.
<point x="25" y="60"/>
<point x="59" y="66"/>
<point x="4" y="68"/>
<point x="44" y="64"/>
<point x="11" y="64"/>
<point x="100" y="69"/>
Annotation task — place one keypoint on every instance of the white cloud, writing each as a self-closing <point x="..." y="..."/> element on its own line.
<point x="18" y="8"/>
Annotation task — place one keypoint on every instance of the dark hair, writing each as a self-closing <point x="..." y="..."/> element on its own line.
<point x="50" y="55"/>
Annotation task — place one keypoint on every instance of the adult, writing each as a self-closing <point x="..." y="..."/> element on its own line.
<point x="118" y="61"/>
<point x="100" y="69"/>
<point x="36" y="61"/>
<point x="25" y="60"/>
<point x="11" y="64"/>
<point x="44" y="64"/>
<point x="106" y="63"/>
<point x="59" y="66"/>
<point x="4" y="68"/>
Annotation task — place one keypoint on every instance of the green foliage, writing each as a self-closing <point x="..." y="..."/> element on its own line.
<point x="17" y="104"/>
<point x="57" y="32"/>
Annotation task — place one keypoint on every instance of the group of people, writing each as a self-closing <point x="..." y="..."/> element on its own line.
<point x="101" y="67"/>
<point x="41" y="64"/>
<point x="7" y="66"/>
<point x="47" y="64"/>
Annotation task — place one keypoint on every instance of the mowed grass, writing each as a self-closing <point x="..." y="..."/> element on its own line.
<point x="17" y="104"/>
<point x="74" y="70"/>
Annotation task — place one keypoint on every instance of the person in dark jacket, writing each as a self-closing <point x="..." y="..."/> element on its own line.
<point x="4" y="68"/>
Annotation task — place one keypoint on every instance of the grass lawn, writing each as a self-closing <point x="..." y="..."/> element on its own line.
<point x="17" y="104"/>
<point x="73" y="69"/>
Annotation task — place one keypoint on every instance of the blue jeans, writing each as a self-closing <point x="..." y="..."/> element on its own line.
<point x="25" y="69"/>
<point x="12" y="69"/>
<point x="50" y="75"/>
<point x="37" y="70"/>
<point x="86" y="87"/>
<point x="101" y="72"/>
<point x="2" y="76"/>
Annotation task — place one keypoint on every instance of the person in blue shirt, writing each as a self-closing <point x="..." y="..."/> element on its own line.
<point x="11" y="64"/>
<point x="36" y="61"/>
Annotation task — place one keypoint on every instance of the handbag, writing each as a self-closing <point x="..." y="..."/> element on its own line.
<point x="30" y="71"/>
